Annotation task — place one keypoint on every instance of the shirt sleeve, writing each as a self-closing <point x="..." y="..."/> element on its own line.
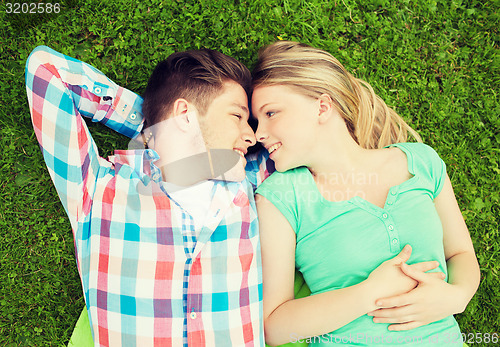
<point x="258" y="167"/>
<point x="280" y="191"/>
<point x="60" y="91"/>
<point x="432" y="167"/>
<point x="438" y="171"/>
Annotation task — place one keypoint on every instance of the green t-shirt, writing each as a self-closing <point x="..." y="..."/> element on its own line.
<point x="338" y="244"/>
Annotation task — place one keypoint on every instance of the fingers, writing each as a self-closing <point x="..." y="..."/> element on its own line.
<point x="403" y="256"/>
<point x="418" y="271"/>
<point x="397" y="315"/>
<point x="438" y="275"/>
<point x="393" y="320"/>
<point x="395" y="301"/>
<point x="425" y="266"/>
<point x="400" y="318"/>
<point x="391" y="313"/>
<point x="418" y="276"/>
<point x="405" y="326"/>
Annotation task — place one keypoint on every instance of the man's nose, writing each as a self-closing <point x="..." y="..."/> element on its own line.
<point x="249" y="136"/>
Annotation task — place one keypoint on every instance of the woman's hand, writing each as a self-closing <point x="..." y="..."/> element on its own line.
<point x="388" y="279"/>
<point x="432" y="299"/>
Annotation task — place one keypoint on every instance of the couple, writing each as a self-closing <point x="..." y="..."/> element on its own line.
<point x="167" y="237"/>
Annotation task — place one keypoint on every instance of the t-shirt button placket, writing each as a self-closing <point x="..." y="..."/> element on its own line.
<point x="391" y="197"/>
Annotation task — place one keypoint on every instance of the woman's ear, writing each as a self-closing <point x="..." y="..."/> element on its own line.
<point x="326" y="108"/>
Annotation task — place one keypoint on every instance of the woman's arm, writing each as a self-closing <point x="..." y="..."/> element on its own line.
<point x="461" y="259"/>
<point x="285" y="316"/>
<point x="434" y="299"/>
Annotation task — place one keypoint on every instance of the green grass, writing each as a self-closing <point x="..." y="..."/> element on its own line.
<point x="435" y="62"/>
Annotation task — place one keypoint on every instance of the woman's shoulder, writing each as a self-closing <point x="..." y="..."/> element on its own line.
<point x="425" y="163"/>
<point x="420" y="153"/>
<point x="416" y="148"/>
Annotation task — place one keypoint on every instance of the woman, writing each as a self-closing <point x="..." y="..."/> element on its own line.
<point x="348" y="195"/>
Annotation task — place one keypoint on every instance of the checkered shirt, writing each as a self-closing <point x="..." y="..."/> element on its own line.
<point x="146" y="281"/>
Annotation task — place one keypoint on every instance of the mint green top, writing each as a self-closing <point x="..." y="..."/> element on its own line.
<point x="338" y="244"/>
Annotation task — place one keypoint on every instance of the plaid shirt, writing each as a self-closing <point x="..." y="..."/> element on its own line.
<point x="146" y="279"/>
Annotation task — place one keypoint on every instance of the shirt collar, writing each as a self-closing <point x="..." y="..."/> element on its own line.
<point x="141" y="161"/>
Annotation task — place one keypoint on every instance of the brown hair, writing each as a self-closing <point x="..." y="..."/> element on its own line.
<point x="313" y="72"/>
<point x="195" y="75"/>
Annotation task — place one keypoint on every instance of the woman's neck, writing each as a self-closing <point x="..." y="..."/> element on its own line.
<point x="337" y="152"/>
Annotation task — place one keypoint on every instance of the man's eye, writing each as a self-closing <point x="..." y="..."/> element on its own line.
<point x="270" y="114"/>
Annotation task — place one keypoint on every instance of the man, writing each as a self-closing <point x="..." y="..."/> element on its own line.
<point x="162" y="263"/>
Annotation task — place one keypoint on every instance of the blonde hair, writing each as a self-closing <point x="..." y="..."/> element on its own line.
<point x="313" y="72"/>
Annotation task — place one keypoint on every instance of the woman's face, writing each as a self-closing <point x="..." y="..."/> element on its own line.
<point x="287" y="124"/>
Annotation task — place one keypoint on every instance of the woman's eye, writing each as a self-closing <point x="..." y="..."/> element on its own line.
<point x="270" y="114"/>
<point x="237" y="116"/>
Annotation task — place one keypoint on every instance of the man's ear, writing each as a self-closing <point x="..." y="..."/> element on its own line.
<point x="326" y="108"/>
<point x="181" y="113"/>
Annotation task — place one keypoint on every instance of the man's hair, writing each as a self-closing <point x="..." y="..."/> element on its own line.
<point x="196" y="75"/>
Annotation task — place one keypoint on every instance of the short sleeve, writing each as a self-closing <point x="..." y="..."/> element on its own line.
<point x="439" y="172"/>
<point x="279" y="190"/>
<point x="429" y="165"/>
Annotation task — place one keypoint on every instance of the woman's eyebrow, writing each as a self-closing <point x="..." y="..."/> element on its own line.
<point x="262" y="107"/>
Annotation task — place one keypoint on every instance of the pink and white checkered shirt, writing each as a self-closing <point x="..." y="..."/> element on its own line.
<point x="146" y="283"/>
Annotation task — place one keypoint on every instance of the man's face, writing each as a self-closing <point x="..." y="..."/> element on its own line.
<point x="225" y="124"/>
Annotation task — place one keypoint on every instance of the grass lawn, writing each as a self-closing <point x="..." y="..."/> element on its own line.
<point x="435" y="62"/>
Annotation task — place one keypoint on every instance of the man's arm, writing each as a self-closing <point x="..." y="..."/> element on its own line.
<point x="95" y="96"/>
<point x="60" y="90"/>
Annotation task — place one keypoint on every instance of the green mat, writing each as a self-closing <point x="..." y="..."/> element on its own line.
<point x="82" y="335"/>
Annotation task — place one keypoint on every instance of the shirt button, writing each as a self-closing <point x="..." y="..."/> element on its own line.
<point x="156" y="176"/>
<point x="133" y="116"/>
<point x="391" y="227"/>
<point x="384" y="215"/>
<point x="192" y="315"/>
<point x="389" y="203"/>
<point x="394" y="241"/>
<point x="97" y="90"/>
